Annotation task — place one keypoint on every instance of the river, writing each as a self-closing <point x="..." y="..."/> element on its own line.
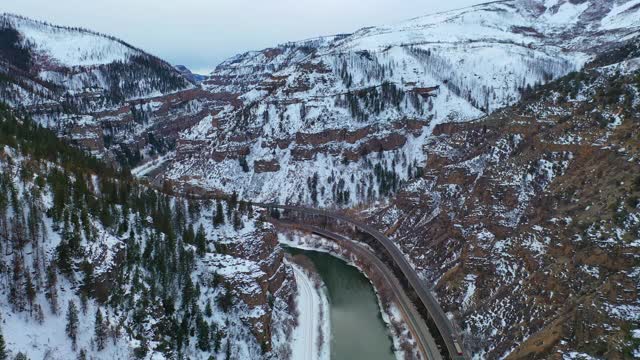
<point x="357" y="328"/>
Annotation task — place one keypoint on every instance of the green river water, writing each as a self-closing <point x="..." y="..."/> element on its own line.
<point x="357" y="329"/>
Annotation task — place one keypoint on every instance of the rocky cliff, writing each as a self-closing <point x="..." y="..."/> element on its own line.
<point x="527" y="220"/>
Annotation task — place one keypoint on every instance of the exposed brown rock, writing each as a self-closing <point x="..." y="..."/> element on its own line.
<point x="262" y="166"/>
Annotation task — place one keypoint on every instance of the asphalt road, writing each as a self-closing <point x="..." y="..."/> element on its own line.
<point x="420" y="287"/>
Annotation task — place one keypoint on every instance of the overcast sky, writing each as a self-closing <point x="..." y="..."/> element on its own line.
<point x="202" y="33"/>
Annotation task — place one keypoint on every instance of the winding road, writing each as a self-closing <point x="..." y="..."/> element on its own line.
<point x="421" y="288"/>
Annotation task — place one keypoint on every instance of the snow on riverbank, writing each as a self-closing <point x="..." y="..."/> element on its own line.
<point x="311" y="338"/>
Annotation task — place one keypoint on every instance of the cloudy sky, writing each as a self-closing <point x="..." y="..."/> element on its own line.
<point x="202" y="33"/>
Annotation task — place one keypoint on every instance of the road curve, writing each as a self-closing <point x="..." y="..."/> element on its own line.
<point x="420" y="287"/>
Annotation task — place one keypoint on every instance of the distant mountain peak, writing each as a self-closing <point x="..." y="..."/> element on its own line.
<point x="191" y="76"/>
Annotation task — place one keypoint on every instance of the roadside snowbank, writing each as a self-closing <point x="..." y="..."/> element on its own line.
<point x="311" y="338"/>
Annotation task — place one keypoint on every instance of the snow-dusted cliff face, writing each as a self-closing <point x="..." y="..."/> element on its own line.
<point x="342" y="119"/>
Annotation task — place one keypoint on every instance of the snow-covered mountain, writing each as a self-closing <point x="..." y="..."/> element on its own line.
<point x="83" y="84"/>
<point x="342" y="119"/>
<point x="286" y="123"/>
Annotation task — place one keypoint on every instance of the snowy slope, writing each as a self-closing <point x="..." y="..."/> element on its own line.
<point x="312" y="303"/>
<point x="80" y="70"/>
<point x="70" y="47"/>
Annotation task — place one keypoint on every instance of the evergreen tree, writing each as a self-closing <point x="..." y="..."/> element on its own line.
<point x="218" y="219"/>
<point x="72" y="323"/>
<point x="237" y="221"/>
<point x="87" y="283"/>
<point x="228" y="349"/>
<point x="226" y="300"/>
<point x="201" y="241"/>
<point x="52" y="288"/>
<point x="29" y="289"/>
<point x="243" y="164"/>
<point x="188" y="235"/>
<point x="100" y="329"/>
<point x="16" y="291"/>
<point x="141" y="351"/>
<point x="21" y="356"/>
<point x="82" y="355"/>
<point x="3" y="348"/>
<point x="63" y="258"/>
<point x="187" y="292"/>
<point x="203" y="333"/>
<point x="83" y="303"/>
<point x="182" y="334"/>
<point x="233" y="200"/>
